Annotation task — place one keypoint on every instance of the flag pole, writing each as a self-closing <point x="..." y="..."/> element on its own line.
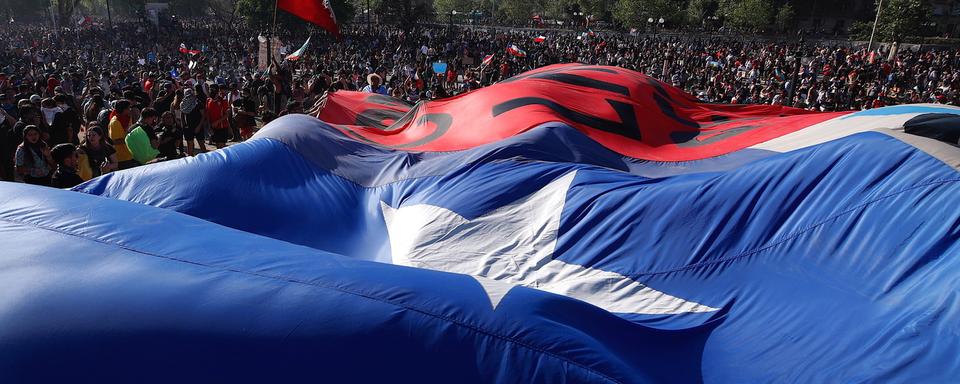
<point x="875" y="21"/>
<point x="273" y="32"/>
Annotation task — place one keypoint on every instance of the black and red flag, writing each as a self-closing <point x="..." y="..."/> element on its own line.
<point x="318" y="12"/>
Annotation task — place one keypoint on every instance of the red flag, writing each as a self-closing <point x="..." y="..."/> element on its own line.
<point x="539" y="39"/>
<point x="184" y="50"/>
<point x="318" y="12"/>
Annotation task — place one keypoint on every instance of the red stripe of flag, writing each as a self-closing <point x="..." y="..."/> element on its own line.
<point x="318" y="12"/>
<point x="184" y="50"/>
<point x="487" y="60"/>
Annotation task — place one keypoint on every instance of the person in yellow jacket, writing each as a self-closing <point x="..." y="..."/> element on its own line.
<point x="119" y="124"/>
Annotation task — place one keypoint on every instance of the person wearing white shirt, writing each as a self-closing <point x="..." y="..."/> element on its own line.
<point x="374" y="85"/>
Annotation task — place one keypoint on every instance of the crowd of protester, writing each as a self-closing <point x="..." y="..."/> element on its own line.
<point x="81" y="102"/>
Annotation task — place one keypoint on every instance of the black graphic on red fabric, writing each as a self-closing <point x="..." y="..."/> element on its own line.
<point x="626" y="111"/>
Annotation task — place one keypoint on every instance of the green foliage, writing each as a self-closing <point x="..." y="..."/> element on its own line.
<point x="699" y="10"/>
<point x="749" y="15"/>
<point x="344" y="10"/>
<point x="593" y="7"/>
<point x="635" y="13"/>
<point x="189" y="7"/>
<point x="518" y="11"/>
<point x="126" y="8"/>
<point x="785" y="18"/>
<point x="406" y="13"/>
<point x="443" y="7"/>
<point x="558" y="9"/>
<point x="25" y="9"/>
<point x="360" y="5"/>
<point x="901" y="19"/>
<point x="33" y="10"/>
<point x="258" y="14"/>
<point x="402" y="12"/>
<point x="861" y="29"/>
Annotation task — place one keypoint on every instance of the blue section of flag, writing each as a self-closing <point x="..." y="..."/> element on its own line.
<point x="831" y="263"/>
<point x="902" y="110"/>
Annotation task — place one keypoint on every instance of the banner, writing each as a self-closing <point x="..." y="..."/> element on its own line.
<point x="262" y="62"/>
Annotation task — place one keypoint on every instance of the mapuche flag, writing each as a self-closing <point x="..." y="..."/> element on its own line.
<point x="318" y="12"/>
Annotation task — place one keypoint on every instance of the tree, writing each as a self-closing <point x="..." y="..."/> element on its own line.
<point x="519" y="11"/>
<point x="635" y="13"/>
<point x="444" y="7"/>
<point x="258" y="14"/>
<point x="405" y="13"/>
<point x="361" y="5"/>
<point x="189" y="7"/>
<point x="593" y="7"/>
<point x="699" y="10"/>
<point x="900" y="19"/>
<point x="785" y="17"/>
<point x="343" y="10"/>
<point x="65" y="10"/>
<point x="751" y="15"/>
<point x="128" y="8"/>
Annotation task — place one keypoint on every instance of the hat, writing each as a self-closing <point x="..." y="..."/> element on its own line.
<point x="35" y="99"/>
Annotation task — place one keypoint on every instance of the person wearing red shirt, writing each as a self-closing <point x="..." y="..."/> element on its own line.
<point x="149" y="84"/>
<point x="451" y="76"/>
<point x="218" y="117"/>
<point x="52" y="84"/>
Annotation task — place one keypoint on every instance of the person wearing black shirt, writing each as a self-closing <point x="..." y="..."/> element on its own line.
<point x="170" y="137"/>
<point x="164" y="99"/>
<point x="66" y="157"/>
<point x="66" y="123"/>
<point x="192" y="121"/>
<point x="202" y="97"/>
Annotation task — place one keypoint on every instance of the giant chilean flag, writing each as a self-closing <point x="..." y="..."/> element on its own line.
<point x="573" y="224"/>
<point x="318" y="12"/>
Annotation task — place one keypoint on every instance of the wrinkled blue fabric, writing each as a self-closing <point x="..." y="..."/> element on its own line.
<point x="269" y="260"/>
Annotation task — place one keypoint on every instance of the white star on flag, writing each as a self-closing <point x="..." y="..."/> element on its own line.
<point x="514" y="245"/>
